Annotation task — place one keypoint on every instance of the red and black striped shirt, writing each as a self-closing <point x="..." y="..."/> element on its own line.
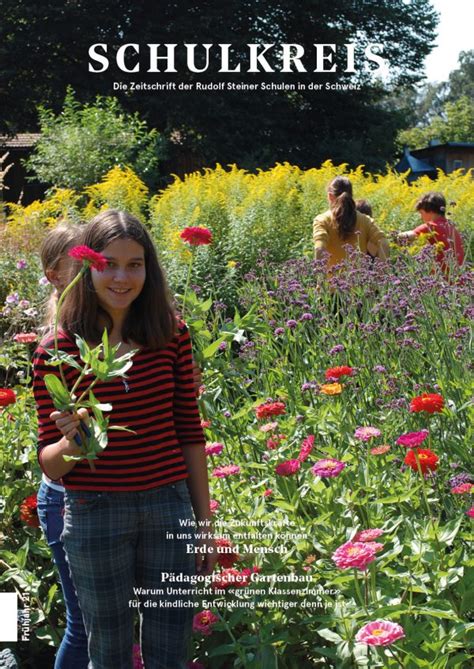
<point x="157" y="401"/>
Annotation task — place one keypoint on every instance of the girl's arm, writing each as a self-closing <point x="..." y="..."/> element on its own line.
<point x="51" y="456"/>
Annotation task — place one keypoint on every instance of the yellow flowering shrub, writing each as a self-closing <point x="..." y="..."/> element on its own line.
<point x="26" y="225"/>
<point x="120" y="188"/>
<point x="270" y="211"/>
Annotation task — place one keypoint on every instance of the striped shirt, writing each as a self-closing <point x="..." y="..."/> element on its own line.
<point x="157" y="401"/>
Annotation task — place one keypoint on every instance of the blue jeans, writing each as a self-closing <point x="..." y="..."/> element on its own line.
<point x="117" y="542"/>
<point x="72" y="653"/>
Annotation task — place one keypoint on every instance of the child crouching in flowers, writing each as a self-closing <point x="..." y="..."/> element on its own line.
<point x="121" y="520"/>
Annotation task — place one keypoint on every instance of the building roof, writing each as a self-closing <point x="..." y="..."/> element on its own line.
<point x="409" y="162"/>
<point x="434" y="145"/>
<point x="24" y="140"/>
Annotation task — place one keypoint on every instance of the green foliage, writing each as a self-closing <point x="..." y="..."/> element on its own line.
<point x="455" y="125"/>
<point x="78" y="146"/>
<point x="252" y="129"/>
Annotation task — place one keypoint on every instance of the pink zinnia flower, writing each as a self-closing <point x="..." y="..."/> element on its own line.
<point x="225" y="470"/>
<point x="268" y="427"/>
<point x="204" y="621"/>
<point x="380" y="450"/>
<point x="462" y="489"/>
<point x="367" y="535"/>
<point x="196" y="236"/>
<point x="214" y="505"/>
<point x="89" y="257"/>
<point x="380" y="633"/>
<point x="306" y="448"/>
<point x="412" y="439"/>
<point x="367" y="433"/>
<point x="267" y="492"/>
<point x="215" y="448"/>
<point x="25" y="337"/>
<point x="354" y="555"/>
<point x="287" y="468"/>
<point x="470" y="512"/>
<point x="376" y="546"/>
<point x="205" y="424"/>
<point x="328" y="468"/>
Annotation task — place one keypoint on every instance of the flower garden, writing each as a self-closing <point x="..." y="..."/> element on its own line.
<point x="337" y="411"/>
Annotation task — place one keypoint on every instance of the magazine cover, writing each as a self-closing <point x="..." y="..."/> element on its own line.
<point x="236" y="325"/>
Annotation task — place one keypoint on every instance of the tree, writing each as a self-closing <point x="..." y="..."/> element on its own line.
<point x="257" y="128"/>
<point x="456" y="125"/>
<point x="79" y="145"/>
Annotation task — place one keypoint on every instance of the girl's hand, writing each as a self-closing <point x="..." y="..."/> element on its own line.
<point x="68" y="423"/>
<point x="206" y="561"/>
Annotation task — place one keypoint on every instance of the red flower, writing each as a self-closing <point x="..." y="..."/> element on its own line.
<point x="268" y="409"/>
<point x="227" y="556"/>
<point x="306" y="448"/>
<point x="196" y="236"/>
<point x="335" y="373"/>
<point x="428" y="459"/>
<point x="86" y="255"/>
<point x="28" y="513"/>
<point x="7" y="397"/>
<point x="287" y="468"/>
<point x="429" y="402"/>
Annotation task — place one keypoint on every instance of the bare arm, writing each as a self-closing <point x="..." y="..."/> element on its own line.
<point x="408" y="236"/>
<point x="51" y="456"/>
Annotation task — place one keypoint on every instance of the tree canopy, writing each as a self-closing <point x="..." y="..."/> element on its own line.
<point x="79" y="145"/>
<point x="443" y="110"/>
<point x="44" y="47"/>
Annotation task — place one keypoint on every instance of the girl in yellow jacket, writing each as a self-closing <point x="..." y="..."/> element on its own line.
<point x="342" y="224"/>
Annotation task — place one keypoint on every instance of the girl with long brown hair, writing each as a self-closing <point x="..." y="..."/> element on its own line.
<point x="344" y="225"/>
<point x="123" y="520"/>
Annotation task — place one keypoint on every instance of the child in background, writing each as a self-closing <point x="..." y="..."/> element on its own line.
<point x="342" y="224"/>
<point x="439" y="230"/>
<point x="364" y="207"/>
<point x="72" y="652"/>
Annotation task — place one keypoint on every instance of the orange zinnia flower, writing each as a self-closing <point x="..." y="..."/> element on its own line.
<point x="331" y="388"/>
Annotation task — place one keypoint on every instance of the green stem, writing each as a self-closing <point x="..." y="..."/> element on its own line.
<point x="425" y="498"/>
<point x="395" y="656"/>
<point x="186" y="286"/>
<point x="234" y="640"/>
<point x="358" y="591"/>
<point x="78" y="403"/>
<point x="58" y="311"/>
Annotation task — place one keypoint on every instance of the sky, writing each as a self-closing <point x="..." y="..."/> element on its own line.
<point x="455" y="34"/>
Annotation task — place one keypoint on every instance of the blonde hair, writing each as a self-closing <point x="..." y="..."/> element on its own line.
<point x="56" y="243"/>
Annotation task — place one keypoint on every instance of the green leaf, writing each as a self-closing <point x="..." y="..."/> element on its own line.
<point x="330" y="635"/>
<point x="61" y="357"/>
<point x="212" y="348"/>
<point x="59" y="394"/>
<point x="84" y="349"/>
<point x="450" y="530"/>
